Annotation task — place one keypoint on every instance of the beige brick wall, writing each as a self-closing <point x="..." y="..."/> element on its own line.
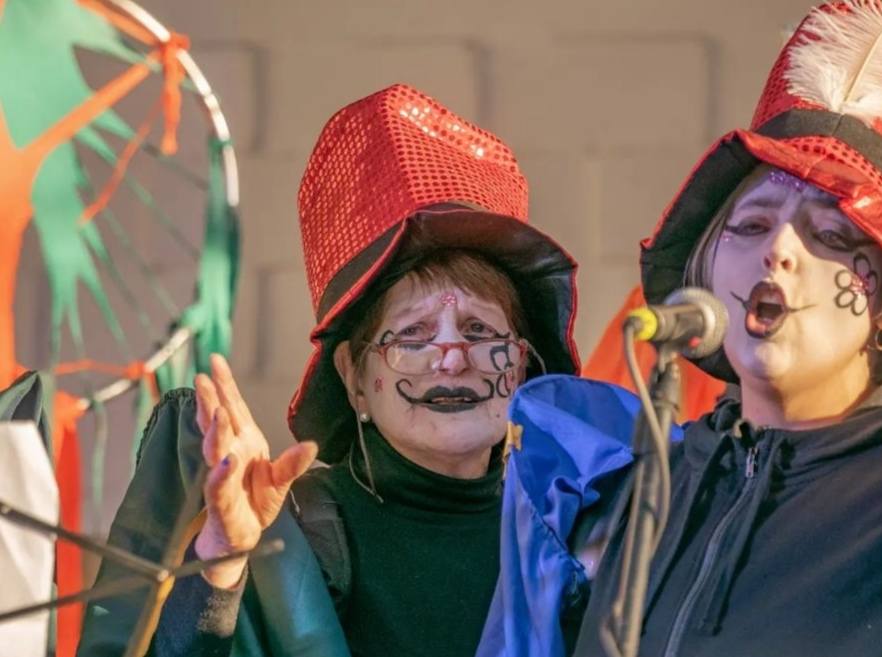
<point x="606" y="104"/>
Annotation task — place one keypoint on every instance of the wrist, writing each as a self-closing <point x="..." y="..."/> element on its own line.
<point x="225" y="575"/>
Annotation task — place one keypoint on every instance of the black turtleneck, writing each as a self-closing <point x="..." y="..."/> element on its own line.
<point x="422" y="563"/>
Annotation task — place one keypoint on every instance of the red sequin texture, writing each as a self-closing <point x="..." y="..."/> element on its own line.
<point x="842" y="162"/>
<point x="384" y="157"/>
<point x="776" y="99"/>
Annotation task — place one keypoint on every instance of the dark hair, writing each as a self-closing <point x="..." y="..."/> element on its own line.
<point x="700" y="265"/>
<point x="468" y="270"/>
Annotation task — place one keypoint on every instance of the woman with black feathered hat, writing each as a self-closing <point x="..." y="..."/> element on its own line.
<point x="774" y="543"/>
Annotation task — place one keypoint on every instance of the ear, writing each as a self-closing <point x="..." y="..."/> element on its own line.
<point x="349" y="374"/>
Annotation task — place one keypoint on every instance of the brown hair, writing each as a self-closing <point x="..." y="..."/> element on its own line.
<point x="467" y="270"/>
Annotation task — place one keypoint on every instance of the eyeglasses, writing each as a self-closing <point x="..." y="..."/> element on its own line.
<point x="491" y="356"/>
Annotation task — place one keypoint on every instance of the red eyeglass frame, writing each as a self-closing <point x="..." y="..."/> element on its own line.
<point x="522" y="345"/>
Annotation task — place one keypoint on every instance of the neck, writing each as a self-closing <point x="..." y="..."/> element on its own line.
<point x="794" y="405"/>
<point x="461" y="466"/>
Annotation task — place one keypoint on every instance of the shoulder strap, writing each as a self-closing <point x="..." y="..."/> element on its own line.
<point x="318" y="515"/>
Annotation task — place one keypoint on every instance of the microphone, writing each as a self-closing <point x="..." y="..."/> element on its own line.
<point x="691" y="320"/>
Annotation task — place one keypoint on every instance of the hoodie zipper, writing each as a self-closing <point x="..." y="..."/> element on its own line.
<point x="710" y="555"/>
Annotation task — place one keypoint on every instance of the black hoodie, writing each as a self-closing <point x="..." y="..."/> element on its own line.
<point x="773" y="547"/>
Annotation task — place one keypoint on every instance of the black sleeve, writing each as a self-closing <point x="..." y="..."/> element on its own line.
<point x="197" y="620"/>
<point x="168" y="458"/>
<point x="318" y="515"/>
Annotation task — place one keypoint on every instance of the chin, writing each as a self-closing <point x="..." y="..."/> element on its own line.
<point x="463" y="440"/>
<point x="765" y="361"/>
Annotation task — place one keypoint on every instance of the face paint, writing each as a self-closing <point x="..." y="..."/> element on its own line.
<point x="784" y="179"/>
<point x="799" y="252"/>
<point x="856" y="285"/>
<point x="378" y="385"/>
<point x="452" y="409"/>
<point x="448" y="299"/>
<point x="443" y="399"/>
<point x="501" y="358"/>
<point x="505" y="384"/>
<point x="765" y="309"/>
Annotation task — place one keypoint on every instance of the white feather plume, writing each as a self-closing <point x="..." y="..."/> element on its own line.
<point x="838" y="61"/>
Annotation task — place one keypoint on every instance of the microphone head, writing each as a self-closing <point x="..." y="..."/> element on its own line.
<point x="716" y="319"/>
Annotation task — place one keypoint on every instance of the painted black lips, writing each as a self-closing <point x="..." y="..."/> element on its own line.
<point x="765" y="310"/>
<point x="443" y="399"/>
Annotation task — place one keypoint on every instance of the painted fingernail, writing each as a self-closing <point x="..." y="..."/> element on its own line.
<point x="226" y="461"/>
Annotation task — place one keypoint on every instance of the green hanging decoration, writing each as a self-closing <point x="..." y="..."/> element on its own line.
<point x="210" y="317"/>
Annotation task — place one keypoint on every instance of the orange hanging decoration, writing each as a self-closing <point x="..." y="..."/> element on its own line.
<point x="171" y="90"/>
<point x="122" y="165"/>
<point x="69" y="565"/>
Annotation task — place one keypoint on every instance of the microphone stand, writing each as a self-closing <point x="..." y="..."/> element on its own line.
<point x="650" y="498"/>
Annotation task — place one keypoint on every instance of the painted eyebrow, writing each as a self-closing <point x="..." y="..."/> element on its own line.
<point x="854" y="233"/>
<point x="761" y="203"/>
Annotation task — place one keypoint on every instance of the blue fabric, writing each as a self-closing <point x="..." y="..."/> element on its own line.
<point x="575" y="431"/>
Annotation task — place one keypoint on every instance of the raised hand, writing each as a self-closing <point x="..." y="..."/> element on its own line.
<point x="245" y="489"/>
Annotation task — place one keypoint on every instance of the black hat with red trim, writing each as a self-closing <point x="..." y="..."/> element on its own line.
<point x="819" y="118"/>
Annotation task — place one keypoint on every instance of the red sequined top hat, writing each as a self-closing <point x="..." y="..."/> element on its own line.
<point x="819" y="118"/>
<point x="392" y="174"/>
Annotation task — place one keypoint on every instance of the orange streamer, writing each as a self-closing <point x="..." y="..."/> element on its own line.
<point x="173" y="72"/>
<point x="607" y="363"/>
<point x="68" y="564"/>
<point x="133" y="371"/>
<point x="122" y="165"/>
<point x="171" y="91"/>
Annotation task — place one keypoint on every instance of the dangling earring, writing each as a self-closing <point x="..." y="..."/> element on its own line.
<point x="370" y="487"/>
<point x="877" y="340"/>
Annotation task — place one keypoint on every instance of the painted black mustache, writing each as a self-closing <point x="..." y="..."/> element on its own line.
<point x="463" y="393"/>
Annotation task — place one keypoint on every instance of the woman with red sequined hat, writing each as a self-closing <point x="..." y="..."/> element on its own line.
<point x="775" y="534"/>
<point x="434" y="300"/>
<point x="394" y="177"/>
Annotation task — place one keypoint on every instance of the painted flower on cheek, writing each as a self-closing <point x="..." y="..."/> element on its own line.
<point x="856" y="285"/>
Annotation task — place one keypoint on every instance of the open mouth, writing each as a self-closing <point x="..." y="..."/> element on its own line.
<point x="765" y="309"/>
<point x="442" y="399"/>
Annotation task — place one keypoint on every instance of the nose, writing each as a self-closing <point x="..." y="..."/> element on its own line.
<point x="783" y="249"/>
<point x="453" y="362"/>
